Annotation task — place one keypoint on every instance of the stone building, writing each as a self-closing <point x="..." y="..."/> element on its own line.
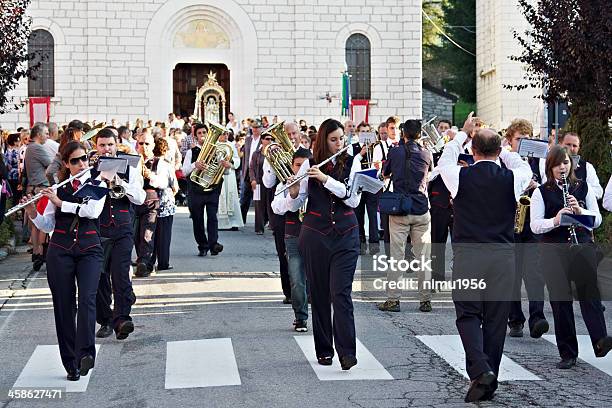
<point x="128" y="59"/>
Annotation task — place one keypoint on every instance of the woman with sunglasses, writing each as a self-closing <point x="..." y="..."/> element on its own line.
<point x="74" y="253"/>
<point x="329" y="243"/>
<point x="563" y="263"/>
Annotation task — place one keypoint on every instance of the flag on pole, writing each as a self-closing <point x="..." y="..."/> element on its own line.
<point x="346" y="94"/>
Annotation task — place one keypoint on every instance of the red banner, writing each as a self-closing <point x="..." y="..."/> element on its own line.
<point x="40" y="110"/>
<point x="360" y="110"/>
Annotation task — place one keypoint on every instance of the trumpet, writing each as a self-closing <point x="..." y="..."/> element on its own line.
<point x="40" y="195"/>
<point x="116" y="188"/>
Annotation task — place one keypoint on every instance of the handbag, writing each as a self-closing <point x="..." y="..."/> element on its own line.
<point x="394" y="203"/>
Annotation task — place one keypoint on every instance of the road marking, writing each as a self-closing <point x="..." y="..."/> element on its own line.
<point x="367" y="368"/>
<point x="201" y="363"/>
<point x="44" y="369"/>
<point x="449" y="347"/>
<point x="587" y="354"/>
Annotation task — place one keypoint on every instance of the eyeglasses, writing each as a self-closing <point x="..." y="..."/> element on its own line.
<point x="144" y="143"/>
<point x="75" y="160"/>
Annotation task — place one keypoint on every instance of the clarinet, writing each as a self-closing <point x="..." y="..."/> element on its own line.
<point x="572" y="228"/>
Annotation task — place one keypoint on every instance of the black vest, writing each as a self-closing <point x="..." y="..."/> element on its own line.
<point x="364" y="160"/>
<point x="438" y="193"/>
<point x="580" y="171"/>
<point x="117" y="215"/>
<point x="553" y="202"/>
<point x="293" y="225"/>
<point x="485" y="205"/>
<point x="196" y="188"/>
<point x="151" y="165"/>
<point x="325" y="212"/>
<point x="70" y="229"/>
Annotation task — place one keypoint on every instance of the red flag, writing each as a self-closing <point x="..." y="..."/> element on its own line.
<point x="42" y="204"/>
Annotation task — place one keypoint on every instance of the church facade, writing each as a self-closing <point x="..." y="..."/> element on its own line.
<point x="129" y="59"/>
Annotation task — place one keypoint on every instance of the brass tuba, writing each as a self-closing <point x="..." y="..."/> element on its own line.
<point x="211" y="155"/>
<point x="279" y="153"/>
<point x="431" y="138"/>
<point x="521" y="213"/>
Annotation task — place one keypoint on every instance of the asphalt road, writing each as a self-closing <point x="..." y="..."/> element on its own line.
<point x="236" y="296"/>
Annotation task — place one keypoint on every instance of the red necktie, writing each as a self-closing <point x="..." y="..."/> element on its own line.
<point x="75" y="184"/>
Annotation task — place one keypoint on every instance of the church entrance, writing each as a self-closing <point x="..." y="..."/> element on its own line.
<point x="210" y="83"/>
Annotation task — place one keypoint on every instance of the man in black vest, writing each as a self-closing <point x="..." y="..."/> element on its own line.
<point x="201" y="199"/>
<point x="583" y="170"/>
<point x="484" y="201"/>
<point x="117" y="236"/>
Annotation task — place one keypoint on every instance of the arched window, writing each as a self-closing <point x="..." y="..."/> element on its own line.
<point x="358" y="62"/>
<point x="42" y="81"/>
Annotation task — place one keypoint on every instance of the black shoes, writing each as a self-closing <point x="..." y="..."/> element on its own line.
<point x="348" y="361"/>
<point x="124" y="329"/>
<point x="73" y="375"/>
<point x="203" y="252"/>
<point x="539" y="328"/>
<point x="300" y="326"/>
<point x="326" y="360"/>
<point x="566" y="363"/>
<point x="389" y="306"/>
<point x="87" y="363"/>
<point x="603" y="346"/>
<point x="216" y="249"/>
<point x="104" y="331"/>
<point x="286" y="301"/>
<point x="165" y="268"/>
<point x="516" y="330"/>
<point x="142" y="271"/>
<point x="482" y="387"/>
<point x="425" y="306"/>
<point x="37" y="262"/>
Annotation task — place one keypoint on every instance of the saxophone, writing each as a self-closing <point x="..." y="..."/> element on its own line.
<point x="521" y="213"/>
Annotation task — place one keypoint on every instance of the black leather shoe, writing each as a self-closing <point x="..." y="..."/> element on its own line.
<point x="603" y="346"/>
<point x="216" y="249"/>
<point x="286" y="301"/>
<point x="516" y="330"/>
<point x="481" y="387"/>
<point x="348" y="361"/>
<point x="142" y="271"/>
<point x="87" y="363"/>
<point x="539" y="328"/>
<point x="124" y="329"/>
<point x="203" y="252"/>
<point x="73" y="375"/>
<point x="326" y="361"/>
<point x="566" y="363"/>
<point x="104" y="331"/>
<point x="165" y="268"/>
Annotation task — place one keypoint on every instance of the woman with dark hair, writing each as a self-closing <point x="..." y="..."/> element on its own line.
<point x="74" y="253"/>
<point x="11" y="161"/>
<point x="329" y="243"/>
<point x="564" y="263"/>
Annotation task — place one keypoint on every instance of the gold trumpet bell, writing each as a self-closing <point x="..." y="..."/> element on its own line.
<point x="280" y="152"/>
<point x="211" y="155"/>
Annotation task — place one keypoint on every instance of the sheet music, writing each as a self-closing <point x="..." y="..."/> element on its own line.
<point x="367" y="137"/>
<point x="533" y="148"/>
<point x="257" y="193"/>
<point x="366" y="180"/>
<point x="110" y="166"/>
<point x="133" y="159"/>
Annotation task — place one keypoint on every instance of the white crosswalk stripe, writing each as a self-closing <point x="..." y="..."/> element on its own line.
<point x="201" y="363"/>
<point x="450" y="349"/>
<point x="367" y="368"/>
<point x="586" y="353"/>
<point x="44" y="369"/>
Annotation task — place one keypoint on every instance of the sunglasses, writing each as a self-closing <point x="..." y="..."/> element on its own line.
<point x="144" y="143"/>
<point x="75" y="160"/>
<point x="267" y="138"/>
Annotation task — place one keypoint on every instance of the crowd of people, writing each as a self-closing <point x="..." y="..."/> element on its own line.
<point x="468" y="190"/>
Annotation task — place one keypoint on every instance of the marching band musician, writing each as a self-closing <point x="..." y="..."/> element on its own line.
<point x="526" y="251"/>
<point x="293" y="226"/>
<point x="116" y="230"/>
<point x="563" y="263"/>
<point x="74" y="252"/>
<point x="484" y="202"/>
<point x="201" y="200"/>
<point x="329" y="243"/>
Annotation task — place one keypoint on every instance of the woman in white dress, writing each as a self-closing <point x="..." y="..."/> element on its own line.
<point x="229" y="215"/>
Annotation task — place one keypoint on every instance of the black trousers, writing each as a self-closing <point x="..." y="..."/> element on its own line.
<point x="563" y="266"/>
<point x="144" y="232"/>
<point x="198" y="203"/>
<point x="63" y="268"/>
<point x="261" y="208"/>
<point x="163" y="238"/>
<point x="115" y="269"/>
<point x="441" y="224"/>
<point x="281" y="251"/>
<point x="246" y="196"/>
<point x="369" y="204"/>
<point x="528" y="271"/>
<point x="330" y="262"/>
<point x="384" y="223"/>
<point x="482" y="315"/>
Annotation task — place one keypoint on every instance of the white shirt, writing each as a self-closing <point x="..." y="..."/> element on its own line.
<point x="52" y="147"/>
<point x="377" y="154"/>
<point x="269" y="177"/>
<point x="133" y="189"/>
<point x="449" y="169"/>
<point x="541" y="225"/>
<point x="591" y="179"/>
<point x="91" y="209"/>
<point x="336" y="187"/>
<point x="607" y="199"/>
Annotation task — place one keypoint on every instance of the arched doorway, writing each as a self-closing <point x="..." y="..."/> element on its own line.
<point x="188" y="78"/>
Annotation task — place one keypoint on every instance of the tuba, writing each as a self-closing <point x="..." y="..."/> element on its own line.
<point x="521" y="213"/>
<point x="280" y="152"/>
<point x="211" y="155"/>
<point x="431" y="138"/>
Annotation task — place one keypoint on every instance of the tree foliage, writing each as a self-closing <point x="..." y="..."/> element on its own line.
<point x="568" y="51"/>
<point x="14" y="57"/>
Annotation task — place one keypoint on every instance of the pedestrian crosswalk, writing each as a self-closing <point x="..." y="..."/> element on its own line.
<point x="212" y="362"/>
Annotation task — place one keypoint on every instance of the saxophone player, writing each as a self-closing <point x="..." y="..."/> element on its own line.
<point x="526" y="250"/>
